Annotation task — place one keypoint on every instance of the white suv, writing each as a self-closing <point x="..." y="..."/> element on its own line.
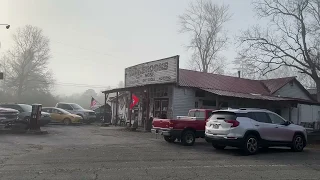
<point x="250" y="129"/>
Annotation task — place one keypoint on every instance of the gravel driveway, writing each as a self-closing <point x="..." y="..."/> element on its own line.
<point x="92" y="152"/>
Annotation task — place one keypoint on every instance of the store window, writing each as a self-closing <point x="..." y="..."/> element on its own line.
<point x="161" y="108"/>
<point x="158" y="92"/>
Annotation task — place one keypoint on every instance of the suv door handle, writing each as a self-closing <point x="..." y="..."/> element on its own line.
<point x="257" y="125"/>
<point x="276" y="127"/>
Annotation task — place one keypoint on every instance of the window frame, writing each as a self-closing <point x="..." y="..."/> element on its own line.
<point x="48" y="110"/>
<point x="276" y="115"/>
<point x="252" y="115"/>
<point x="66" y="106"/>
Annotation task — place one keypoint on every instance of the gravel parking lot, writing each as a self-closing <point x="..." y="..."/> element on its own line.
<point x="92" y="152"/>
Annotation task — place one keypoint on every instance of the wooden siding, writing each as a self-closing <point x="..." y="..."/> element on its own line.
<point x="293" y="91"/>
<point x="183" y="100"/>
<point x="309" y="116"/>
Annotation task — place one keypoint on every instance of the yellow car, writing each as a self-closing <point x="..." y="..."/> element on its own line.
<point x="62" y="116"/>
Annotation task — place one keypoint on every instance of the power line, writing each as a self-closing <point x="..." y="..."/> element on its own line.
<point x="71" y="84"/>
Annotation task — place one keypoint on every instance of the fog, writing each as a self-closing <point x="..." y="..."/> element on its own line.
<point x="92" y="42"/>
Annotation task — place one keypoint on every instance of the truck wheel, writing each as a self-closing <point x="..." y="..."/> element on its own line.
<point x="188" y="138"/>
<point x="169" y="139"/>
<point x="219" y="147"/>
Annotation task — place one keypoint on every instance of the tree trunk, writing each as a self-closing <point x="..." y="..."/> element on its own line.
<point x="318" y="88"/>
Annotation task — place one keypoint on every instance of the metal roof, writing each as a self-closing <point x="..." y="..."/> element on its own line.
<point x="232" y="86"/>
<point x="244" y="95"/>
<point x="188" y="78"/>
<point x="274" y="85"/>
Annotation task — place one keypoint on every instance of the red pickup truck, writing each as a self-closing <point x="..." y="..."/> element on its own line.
<point x="185" y="128"/>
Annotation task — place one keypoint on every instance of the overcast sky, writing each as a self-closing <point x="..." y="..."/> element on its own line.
<point x="92" y="41"/>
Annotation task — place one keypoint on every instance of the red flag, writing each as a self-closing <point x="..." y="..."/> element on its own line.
<point x="93" y="103"/>
<point x="135" y="101"/>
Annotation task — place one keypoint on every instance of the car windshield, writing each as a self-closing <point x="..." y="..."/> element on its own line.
<point x="26" y="107"/>
<point x="76" y="106"/>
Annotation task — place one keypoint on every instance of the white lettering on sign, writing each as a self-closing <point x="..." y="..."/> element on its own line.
<point x="154" y="72"/>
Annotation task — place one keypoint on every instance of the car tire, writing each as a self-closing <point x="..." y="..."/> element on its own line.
<point x="188" y="138"/>
<point x="218" y="147"/>
<point x="169" y="139"/>
<point x="250" y="145"/>
<point x="298" y="143"/>
<point x="67" y="121"/>
<point x="27" y="119"/>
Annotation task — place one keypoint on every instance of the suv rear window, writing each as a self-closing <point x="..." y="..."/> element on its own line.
<point x="225" y="115"/>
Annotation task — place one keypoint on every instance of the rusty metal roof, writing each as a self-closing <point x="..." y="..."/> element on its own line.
<point x="275" y="84"/>
<point x="188" y="78"/>
<point x="234" y="86"/>
<point x="245" y="95"/>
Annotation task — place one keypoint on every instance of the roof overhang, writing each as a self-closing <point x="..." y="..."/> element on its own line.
<point x="258" y="96"/>
<point x="134" y="88"/>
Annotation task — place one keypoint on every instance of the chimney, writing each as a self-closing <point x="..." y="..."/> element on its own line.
<point x="239" y="74"/>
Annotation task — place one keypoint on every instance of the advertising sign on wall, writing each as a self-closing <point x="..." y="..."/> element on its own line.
<point x="154" y="72"/>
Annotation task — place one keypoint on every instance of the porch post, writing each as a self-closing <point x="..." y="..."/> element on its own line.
<point x="117" y="106"/>
<point x="290" y="109"/>
<point x="217" y="103"/>
<point x="147" y="109"/>
<point x="105" y="108"/>
<point x="129" y="110"/>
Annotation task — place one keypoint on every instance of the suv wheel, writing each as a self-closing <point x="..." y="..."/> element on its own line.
<point x="297" y="143"/>
<point x="219" y="147"/>
<point x="251" y="145"/>
<point x="169" y="139"/>
<point x="188" y="138"/>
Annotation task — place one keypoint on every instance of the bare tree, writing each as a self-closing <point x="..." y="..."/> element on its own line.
<point x="246" y="68"/>
<point x="204" y="21"/>
<point x="291" y="38"/>
<point x="27" y="61"/>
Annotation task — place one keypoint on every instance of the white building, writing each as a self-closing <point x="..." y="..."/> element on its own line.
<point x="183" y="90"/>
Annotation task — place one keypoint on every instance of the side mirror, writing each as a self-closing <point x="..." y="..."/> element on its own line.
<point x="287" y="123"/>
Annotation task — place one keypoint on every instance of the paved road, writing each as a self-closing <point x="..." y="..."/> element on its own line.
<point x="91" y="152"/>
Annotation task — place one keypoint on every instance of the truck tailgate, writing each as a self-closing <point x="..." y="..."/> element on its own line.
<point x="160" y="123"/>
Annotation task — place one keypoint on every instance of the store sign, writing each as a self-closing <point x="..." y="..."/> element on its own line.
<point x="154" y="72"/>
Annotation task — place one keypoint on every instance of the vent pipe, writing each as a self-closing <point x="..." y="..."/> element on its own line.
<point x="239" y="72"/>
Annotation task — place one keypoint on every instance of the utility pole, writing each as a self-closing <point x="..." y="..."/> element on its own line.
<point x="1" y="73"/>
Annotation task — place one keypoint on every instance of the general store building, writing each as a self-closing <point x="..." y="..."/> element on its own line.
<point x="166" y="90"/>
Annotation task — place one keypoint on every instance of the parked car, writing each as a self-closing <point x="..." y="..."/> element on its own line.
<point x="250" y="129"/>
<point x="9" y="120"/>
<point x="62" y="116"/>
<point x="184" y="128"/>
<point x="88" y="116"/>
<point x="8" y="115"/>
<point x="25" y="112"/>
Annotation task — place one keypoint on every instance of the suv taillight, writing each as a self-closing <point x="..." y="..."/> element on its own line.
<point x="234" y="123"/>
